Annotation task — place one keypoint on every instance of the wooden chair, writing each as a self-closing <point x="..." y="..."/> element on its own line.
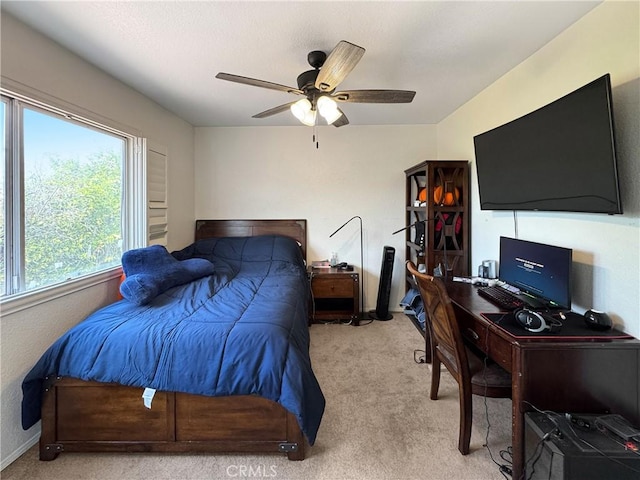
<point x="467" y="368"/>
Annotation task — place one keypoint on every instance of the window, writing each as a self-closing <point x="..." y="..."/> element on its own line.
<point x="67" y="196"/>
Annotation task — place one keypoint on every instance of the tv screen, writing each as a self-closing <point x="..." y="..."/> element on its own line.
<point x="561" y="157"/>
<point x="539" y="270"/>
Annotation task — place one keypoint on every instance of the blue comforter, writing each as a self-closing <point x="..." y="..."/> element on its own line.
<point x="242" y="330"/>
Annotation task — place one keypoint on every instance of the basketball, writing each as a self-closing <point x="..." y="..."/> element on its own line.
<point x="450" y="198"/>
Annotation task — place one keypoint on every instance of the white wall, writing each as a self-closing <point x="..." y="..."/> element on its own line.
<point x="276" y="172"/>
<point x="34" y="63"/>
<point x="606" y="248"/>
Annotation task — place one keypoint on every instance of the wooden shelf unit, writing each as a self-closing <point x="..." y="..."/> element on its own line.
<point x="443" y="209"/>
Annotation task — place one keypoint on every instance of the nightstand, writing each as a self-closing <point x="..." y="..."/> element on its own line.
<point x="335" y="295"/>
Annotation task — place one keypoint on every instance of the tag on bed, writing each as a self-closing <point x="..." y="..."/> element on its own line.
<point x="147" y="396"/>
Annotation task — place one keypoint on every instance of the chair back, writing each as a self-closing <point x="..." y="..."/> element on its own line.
<point x="445" y="332"/>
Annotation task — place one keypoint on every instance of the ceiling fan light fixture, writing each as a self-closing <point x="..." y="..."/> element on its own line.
<point x="303" y="112"/>
<point x="328" y="109"/>
<point x="309" y="118"/>
<point x="332" y="116"/>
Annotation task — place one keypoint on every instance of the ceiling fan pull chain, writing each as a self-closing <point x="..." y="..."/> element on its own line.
<point x="315" y="136"/>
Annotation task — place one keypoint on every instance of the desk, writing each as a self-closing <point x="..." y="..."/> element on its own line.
<point x="587" y="375"/>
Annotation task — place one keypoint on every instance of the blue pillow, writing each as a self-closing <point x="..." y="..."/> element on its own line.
<point x="152" y="270"/>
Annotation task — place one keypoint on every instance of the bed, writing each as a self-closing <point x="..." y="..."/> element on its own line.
<point x="253" y="391"/>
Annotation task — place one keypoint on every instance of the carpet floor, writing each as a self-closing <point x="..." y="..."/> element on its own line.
<point x="379" y="423"/>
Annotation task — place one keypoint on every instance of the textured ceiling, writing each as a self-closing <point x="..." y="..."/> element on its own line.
<point x="447" y="51"/>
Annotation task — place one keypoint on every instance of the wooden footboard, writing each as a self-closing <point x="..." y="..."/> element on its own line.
<point x="79" y="416"/>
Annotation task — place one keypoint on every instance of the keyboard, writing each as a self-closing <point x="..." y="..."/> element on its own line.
<point x="501" y="297"/>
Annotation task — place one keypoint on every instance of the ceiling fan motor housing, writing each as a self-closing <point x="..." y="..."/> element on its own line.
<point x="307" y="80"/>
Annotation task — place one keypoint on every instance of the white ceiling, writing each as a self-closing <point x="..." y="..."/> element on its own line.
<point x="447" y="51"/>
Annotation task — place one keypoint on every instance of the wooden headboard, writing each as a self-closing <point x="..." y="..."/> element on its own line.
<point x="296" y="229"/>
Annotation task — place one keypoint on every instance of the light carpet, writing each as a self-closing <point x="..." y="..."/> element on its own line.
<point x="379" y="423"/>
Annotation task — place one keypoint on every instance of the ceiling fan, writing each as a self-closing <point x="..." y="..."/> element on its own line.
<point x="318" y="87"/>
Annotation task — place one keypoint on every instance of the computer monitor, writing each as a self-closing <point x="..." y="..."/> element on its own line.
<point x="539" y="270"/>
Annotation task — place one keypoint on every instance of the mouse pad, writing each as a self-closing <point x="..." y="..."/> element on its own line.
<point x="573" y="328"/>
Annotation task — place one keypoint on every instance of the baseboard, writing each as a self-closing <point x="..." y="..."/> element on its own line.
<point x="20" y="450"/>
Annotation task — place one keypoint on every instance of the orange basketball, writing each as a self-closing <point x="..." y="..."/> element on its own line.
<point x="448" y="196"/>
<point x="422" y="195"/>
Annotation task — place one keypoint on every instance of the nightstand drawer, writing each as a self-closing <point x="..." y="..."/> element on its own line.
<point x="333" y="287"/>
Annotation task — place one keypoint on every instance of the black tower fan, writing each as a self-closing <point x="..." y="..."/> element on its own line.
<point x="384" y="289"/>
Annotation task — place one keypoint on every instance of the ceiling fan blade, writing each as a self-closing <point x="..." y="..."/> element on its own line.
<point x="374" y="96"/>
<point x="274" y="110"/>
<point x="343" y="120"/>
<point x="342" y="59"/>
<point x="258" y="83"/>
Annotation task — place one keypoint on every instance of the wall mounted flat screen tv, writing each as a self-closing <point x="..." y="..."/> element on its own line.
<point x="561" y="157"/>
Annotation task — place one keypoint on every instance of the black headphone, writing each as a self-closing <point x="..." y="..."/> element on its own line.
<point x="535" y="322"/>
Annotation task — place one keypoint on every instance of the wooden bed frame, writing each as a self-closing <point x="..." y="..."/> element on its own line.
<point x="81" y="416"/>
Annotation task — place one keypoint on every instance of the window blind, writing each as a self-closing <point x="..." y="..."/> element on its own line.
<point x="157" y="207"/>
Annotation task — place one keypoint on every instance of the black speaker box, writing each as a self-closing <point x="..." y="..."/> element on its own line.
<point x="597" y="320"/>
<point x="384" y="289"/>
